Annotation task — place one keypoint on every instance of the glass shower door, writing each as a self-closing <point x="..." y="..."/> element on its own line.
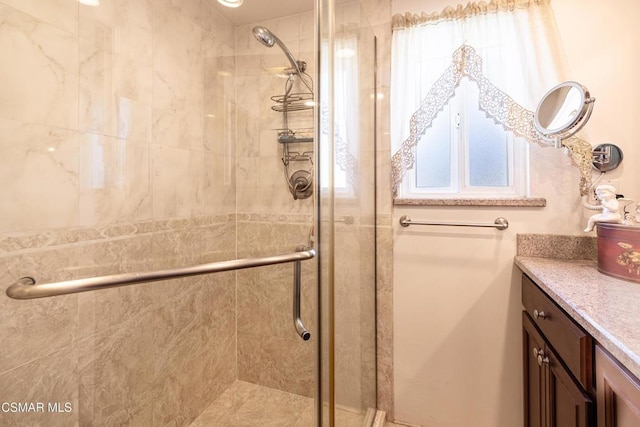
<point x="347" y="215"/>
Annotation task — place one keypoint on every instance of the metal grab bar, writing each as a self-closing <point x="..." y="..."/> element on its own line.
<point x="500" y="223"/>
<point x="27" y="288"/>
<point x="297" y="279"/>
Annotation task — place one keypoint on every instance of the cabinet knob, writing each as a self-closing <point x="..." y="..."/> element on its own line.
<point x="542" y="359"/>
<point x="539" y="314"/>
<point x="536" y="352"/>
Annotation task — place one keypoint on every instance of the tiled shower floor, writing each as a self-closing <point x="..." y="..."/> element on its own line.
<point x="249" y="405"/>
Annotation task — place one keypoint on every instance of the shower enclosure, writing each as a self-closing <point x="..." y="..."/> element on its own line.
<point x="144" y="144"/>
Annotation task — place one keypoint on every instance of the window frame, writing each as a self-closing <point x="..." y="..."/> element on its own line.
<point x="517" y="162"/>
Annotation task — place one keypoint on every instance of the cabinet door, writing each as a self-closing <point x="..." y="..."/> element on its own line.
<point x="618" y="393"/>
<point x="567" y="404"/>
<point x="532" y="344"/>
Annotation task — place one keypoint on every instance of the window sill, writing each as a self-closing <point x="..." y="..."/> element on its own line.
<point x="513" y="203"/>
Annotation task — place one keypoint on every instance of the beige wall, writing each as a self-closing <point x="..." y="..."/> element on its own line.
<point x="456" y="293"/>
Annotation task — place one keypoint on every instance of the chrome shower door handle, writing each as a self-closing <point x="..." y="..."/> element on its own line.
<point x="297" y="279"/>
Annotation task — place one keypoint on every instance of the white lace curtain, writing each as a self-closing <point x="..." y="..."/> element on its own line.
<point x="516" y="41"/>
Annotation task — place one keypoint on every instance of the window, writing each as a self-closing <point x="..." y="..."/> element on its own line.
<point x="464" y="84"/>
<point x="466" y="154"/>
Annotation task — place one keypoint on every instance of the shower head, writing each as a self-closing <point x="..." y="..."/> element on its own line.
<point x="264" y="36"/>
<point x="267" y="38"/>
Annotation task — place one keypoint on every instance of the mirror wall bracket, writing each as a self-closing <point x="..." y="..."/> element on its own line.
<point x="606" y="157"/>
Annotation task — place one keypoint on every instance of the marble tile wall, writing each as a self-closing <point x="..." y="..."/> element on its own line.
<point x="115" y="114"/>
<point x="270" y="221"/>
<point x="116" y="133"/>
<point x="270" y="352"/>
<point x="152" y="354"/>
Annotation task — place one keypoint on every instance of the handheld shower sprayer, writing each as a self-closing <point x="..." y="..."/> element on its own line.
<point x="267" y="38"/>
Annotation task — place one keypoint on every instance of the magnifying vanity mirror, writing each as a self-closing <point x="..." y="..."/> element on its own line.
<point x="563" y="111"/>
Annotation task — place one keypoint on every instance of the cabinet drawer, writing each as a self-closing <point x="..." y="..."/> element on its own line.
<point x="572" y="344"/>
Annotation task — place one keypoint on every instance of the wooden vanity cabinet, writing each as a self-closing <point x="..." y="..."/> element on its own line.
<point x="552" y="398"/>
<point x="618" y="393"/>
<point x="558" y="368"/>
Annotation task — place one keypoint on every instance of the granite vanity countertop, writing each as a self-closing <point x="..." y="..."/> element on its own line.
<point x="606" y="307"/>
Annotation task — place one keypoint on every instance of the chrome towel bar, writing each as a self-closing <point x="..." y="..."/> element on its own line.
<point x="27" y="288"/>
<point x="500" y="223"/>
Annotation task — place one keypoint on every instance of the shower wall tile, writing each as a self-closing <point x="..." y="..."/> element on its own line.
<point x="189" y="9"/>
<point x="219" y="108"/>
<point x="219" y="353"/>
<point x="266" y="147"/>
<point x="219" y="184"/>
<point x="287" y="28"/>
<point x="119" y="26"/>
<point x="44" y="56"/>
<point x="34" y="329"/>
<point x="138" y="72"/>
<point x="247" y="145"/>
<point x="248" y="65"/>
<point x="111" y="307"/>
<point x="116" y="69"/>
<point x="61" y="13"/>
<point x="177" y="90"/>
<point x="114" y="180"/>
<point x="115" y="93"/>
<point x="218" y="242"/>
<point x="174" y="402"/>
<point x="135" y="344"/>
<point x="116" y="374"/>
<point x="50" y="381"/>
<point x="270" y="353"/>
<point x="378" y="12"/>
<point x="213" y="21"/>
<point x="246" y="44"/>
<point x="177" y="182"/>
<point x="118" y="130"/>
<point x="194" y="333"/>
<point x="177" y="328"/>
<point x="41" y="163"/>
<point x="307" y="24"/>
<point x="141" y="352"/>
<point x="354" y="311"/>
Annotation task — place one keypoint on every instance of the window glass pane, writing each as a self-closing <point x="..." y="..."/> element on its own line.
<point x="433" y="153"/>
<point x="488" y="160"/>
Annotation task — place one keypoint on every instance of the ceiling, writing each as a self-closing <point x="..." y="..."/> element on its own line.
<point x="263" y="10"/>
